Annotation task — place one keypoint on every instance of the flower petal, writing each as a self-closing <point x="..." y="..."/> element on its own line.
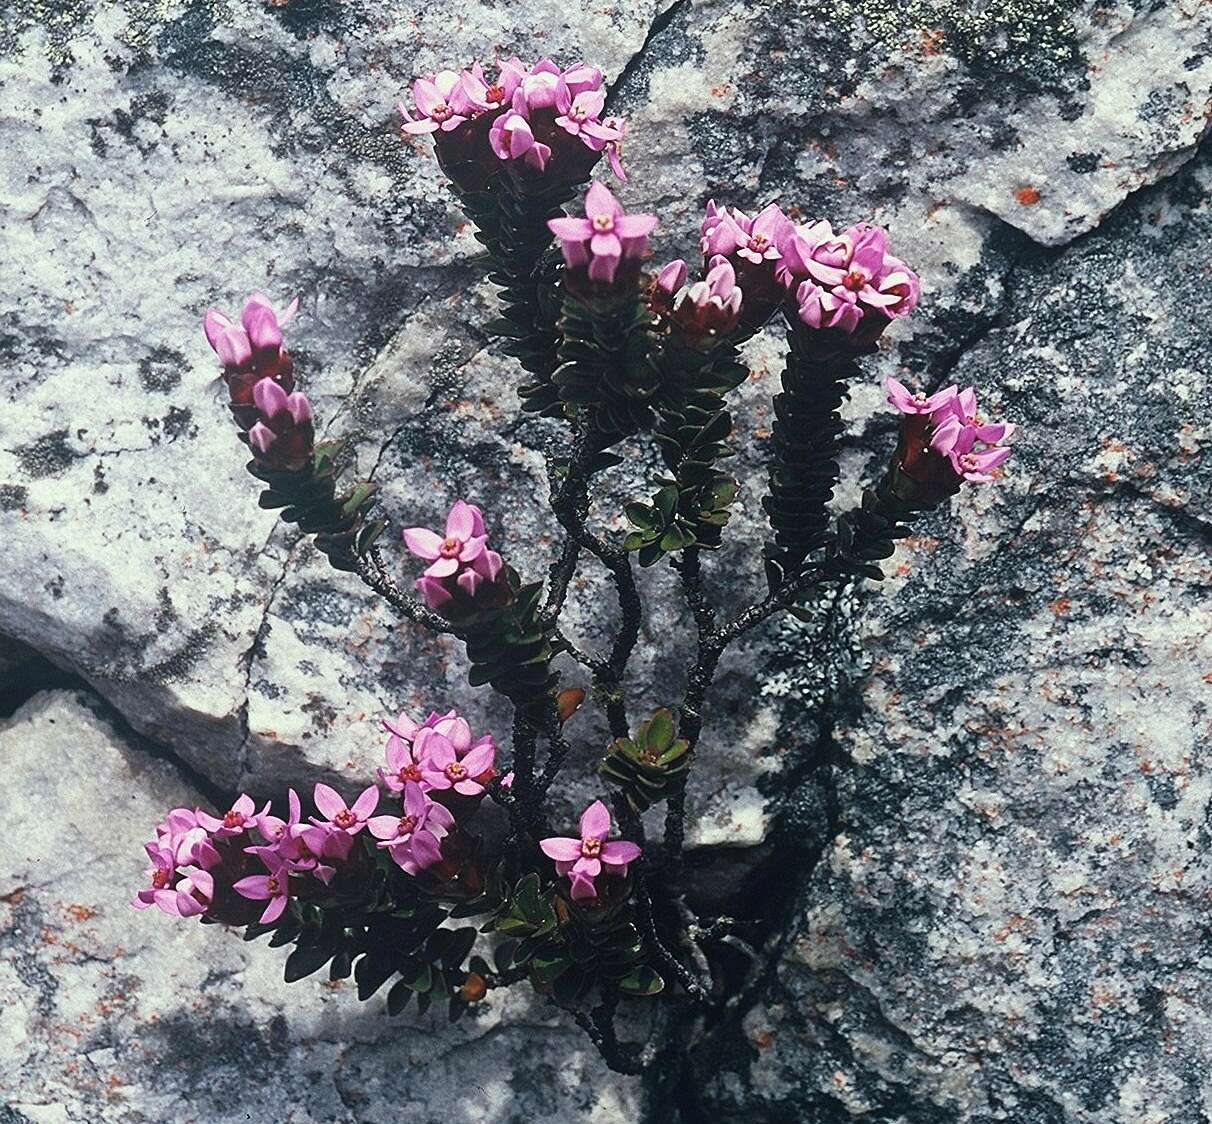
<point x="595" y="821"/>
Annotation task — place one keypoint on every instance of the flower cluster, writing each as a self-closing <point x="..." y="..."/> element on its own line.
<point x="538" y="122"/>
<point x="218" y="866"/>
<point x="706" y="310"/>
<point x="582" y="860"/>
<point x="603" y="251"/>
<point x="944" y="441"/>
<point x="463" y="573"/>
<point x="848" y="281"/>
<point x="275" y="419"/>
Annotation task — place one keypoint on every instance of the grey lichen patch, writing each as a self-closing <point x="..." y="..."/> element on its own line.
<point x="1032" y="42"/>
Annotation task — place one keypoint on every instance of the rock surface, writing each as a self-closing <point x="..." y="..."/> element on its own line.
<point x="1008" y="742"/>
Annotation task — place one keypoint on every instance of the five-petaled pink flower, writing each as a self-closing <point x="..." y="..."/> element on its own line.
<point x="442" y="768"/>
<point x="461" y="563"/>
<point x="485" y="97"/>
<point x="847" y="280"/>
<point x="342" y="817"/>
<point x="604" y="237"/>
<point x="728" y="231"/>
<point x="464" y="541"/>
<point x="441" y="101"/>
<point x="583" y="859"/>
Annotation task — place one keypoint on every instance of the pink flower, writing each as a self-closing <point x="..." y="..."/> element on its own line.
<point x="729" y="231"/>
<point x="464" y="541"/>
<point x="241" y="817"/>
<point x="195" y="892"/>
<point x="273" y="887"/>
<point x="752" y="248"/>
<point x="486" y="98"/>
<point x="162" y="876"/>
<point x="462" y="567"/>
<point x="442" y="103"/>
<point x="581" y="79"/>
<point x="576" y="112"/>
<point x="315" y="849"/>
<point x="229" y="341"/>
<point x="259" y="330"/>
<point x="263" y="323"/>
<point x="177" y="893"/>
<point x="540" y="87"/>
<point x="584" y="859"/>
<point x="340" y="816"/>
<point x="957" y="421"/>
<point x="709" y="309"/>
<point x="442" y="768"/>
<point x="606" y="236"/>
<point x="909" y="402"/>
<point x="412" y="838"/>
<point x="977" y="465"/>
<point x="284" y="434"/>
<point x="403" y="764"/>
<point x="511" y="138"/>
<point x="933" y="461"/>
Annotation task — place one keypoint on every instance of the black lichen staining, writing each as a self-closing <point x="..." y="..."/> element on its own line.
<point x="1082" y="162"/>
<point x="47" y="455"/>
<point x="160" y="370"/>
<point x="13" y="497"/>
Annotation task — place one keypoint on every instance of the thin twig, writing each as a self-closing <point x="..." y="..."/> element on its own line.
<point x="373" y="572"/>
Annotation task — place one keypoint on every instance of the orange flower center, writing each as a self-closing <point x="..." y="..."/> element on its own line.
<point x="591" y="847"/>
<point x="456" y="771"/>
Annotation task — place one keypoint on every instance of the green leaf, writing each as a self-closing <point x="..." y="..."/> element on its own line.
<point x="641" y="981"/>
<point x="420" y="979"/>
<point x="303" y="961"/>
<point x="640" y="515"/>
<point x="398" y="997"/>
<point x="660" y="732"/>
<point x="459" y="946"/>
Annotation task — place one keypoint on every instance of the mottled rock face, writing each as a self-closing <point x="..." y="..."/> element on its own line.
<point x="1001" y="763"/>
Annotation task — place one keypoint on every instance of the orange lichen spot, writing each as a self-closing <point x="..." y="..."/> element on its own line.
<point x="933" y="40"/>
<point x="80" y="912"/>
<point x="721" y="91"/>
<point x="1061" y="606"/>
<point x="1027" y="196"/>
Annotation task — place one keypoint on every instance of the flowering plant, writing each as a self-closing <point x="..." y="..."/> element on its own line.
<point x="374" y="885"/>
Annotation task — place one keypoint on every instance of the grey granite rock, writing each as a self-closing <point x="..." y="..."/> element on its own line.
<point x="112" y="1015"/>
<point x="1012" y="922"/>
<point x="972" y="743"/>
